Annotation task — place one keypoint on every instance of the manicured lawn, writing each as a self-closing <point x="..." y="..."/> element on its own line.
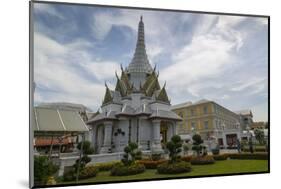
<point x="220" y="167"/>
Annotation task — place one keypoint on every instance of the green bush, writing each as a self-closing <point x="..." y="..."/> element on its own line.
<point x="87" y="149"/>
<point x="151" y="164"/>
<point x="132" y="153"/>
<point x="257" y="156"/>
<point x="220" y="157"/>
<point x="69" y="175"/>
<point x="155" y="157"/>
<point x="120" y="169"/>
<point x="43" y="168"/>
<point x="85" y="172"/>
<point x="174" y="147"/>
<point x="202" y="160"/>
<point x="174" y="168"/>
<point x="186" y="158"/>
<point x="197" y="145"/>
<point x="105" y="166"/>
<point x="88" y="171"/>
<point x="257" y="149"/>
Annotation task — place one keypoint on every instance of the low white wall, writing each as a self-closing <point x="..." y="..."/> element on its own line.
<point x="97" y="158"/>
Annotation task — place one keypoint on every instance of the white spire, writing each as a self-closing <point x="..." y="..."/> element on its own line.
<point x="140" y="61"/>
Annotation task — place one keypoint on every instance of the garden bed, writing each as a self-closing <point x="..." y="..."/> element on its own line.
<point x="220" y="157"/>
<point x="151" y="164"/>
<point x="202" y="160"/>
<point x="124" y="170"/>
<point x="257" y="156"/>
<point x="174" y="168"/>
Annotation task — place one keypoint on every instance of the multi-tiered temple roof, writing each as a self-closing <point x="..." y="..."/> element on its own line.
<point x="138" y="77"/>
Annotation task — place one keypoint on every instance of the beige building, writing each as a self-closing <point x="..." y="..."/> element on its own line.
<point x="246" y="119"/>
<point x="210" y="120"/>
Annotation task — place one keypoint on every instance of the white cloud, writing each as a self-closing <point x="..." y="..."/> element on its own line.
<point x="102" y="70"/>
<point x="48" y="9"/>
<point x="204" y="57"/>
<point x="256" y="84"/>
<point x="207" y="56"/>
<point x="54" y="72"/>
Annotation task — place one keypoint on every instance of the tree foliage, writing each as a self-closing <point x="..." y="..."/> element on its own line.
<point x="197" y="145"/>
<point x="259" y="134"/>
<point x="87" y="148"/>
<point x="174" y="147"/>
<point x="132" y="153"/>
<point x="43" y="168"/>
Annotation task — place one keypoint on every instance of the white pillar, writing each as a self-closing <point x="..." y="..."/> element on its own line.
<point x="156" y="143"/>
<point x="142" y="145"/>
<point x="106" y="147"/>
<point x="61" y="168"/>
<point x="224" y="140"/>
<point x="94" y="135"/>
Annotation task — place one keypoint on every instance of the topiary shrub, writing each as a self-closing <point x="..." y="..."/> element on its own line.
<point x="220" y="157"/>
<point x="151" y="164"/>
<point x="174" y="168"/>
<point x="88" y="171"/>
<point x="87" y="148"/>
<point x="174" y="147"/>
<point x="202" y="160"/>
<point x="132" y="153"/>
<point x="197" y="145"/>
<point x="120" y="169"/>
<point x="259" y="135"/>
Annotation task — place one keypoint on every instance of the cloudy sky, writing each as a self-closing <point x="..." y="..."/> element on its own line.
<point x="200" y="56"/>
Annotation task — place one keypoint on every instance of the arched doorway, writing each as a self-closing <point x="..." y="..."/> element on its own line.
<point x="164" y="132"/>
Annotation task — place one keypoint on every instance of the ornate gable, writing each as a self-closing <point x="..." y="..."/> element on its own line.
<point x="162" y="96"/>
<point x="107" y="97"/>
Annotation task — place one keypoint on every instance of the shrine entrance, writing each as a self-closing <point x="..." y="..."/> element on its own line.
<point x="163" y="131"/>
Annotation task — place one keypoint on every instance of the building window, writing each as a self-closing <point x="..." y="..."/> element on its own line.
<point x="181" y="114"/>
<point x="206" y="124"/>
<point x="217" y="124"/>
<point x="205" y="109"/>
<point x="193" y="125"/>
<point x="192" y="112"/>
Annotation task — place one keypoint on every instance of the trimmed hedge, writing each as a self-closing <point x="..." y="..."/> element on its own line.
<point x="174" y="168"/>
<point x="257" y="156"/>
<point x="255" y="150"/>
<point x="202" y="160"/>
<point x="88" y="171"/>
<point x="186" y="158"/>
<point x="156" y="157"/>
<point x="151" y="164"/>
<point x="122" y="170"/>
<point x="105" y="166"/>
<point x="69" y="175"/>
<point x="220" y="157"/>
